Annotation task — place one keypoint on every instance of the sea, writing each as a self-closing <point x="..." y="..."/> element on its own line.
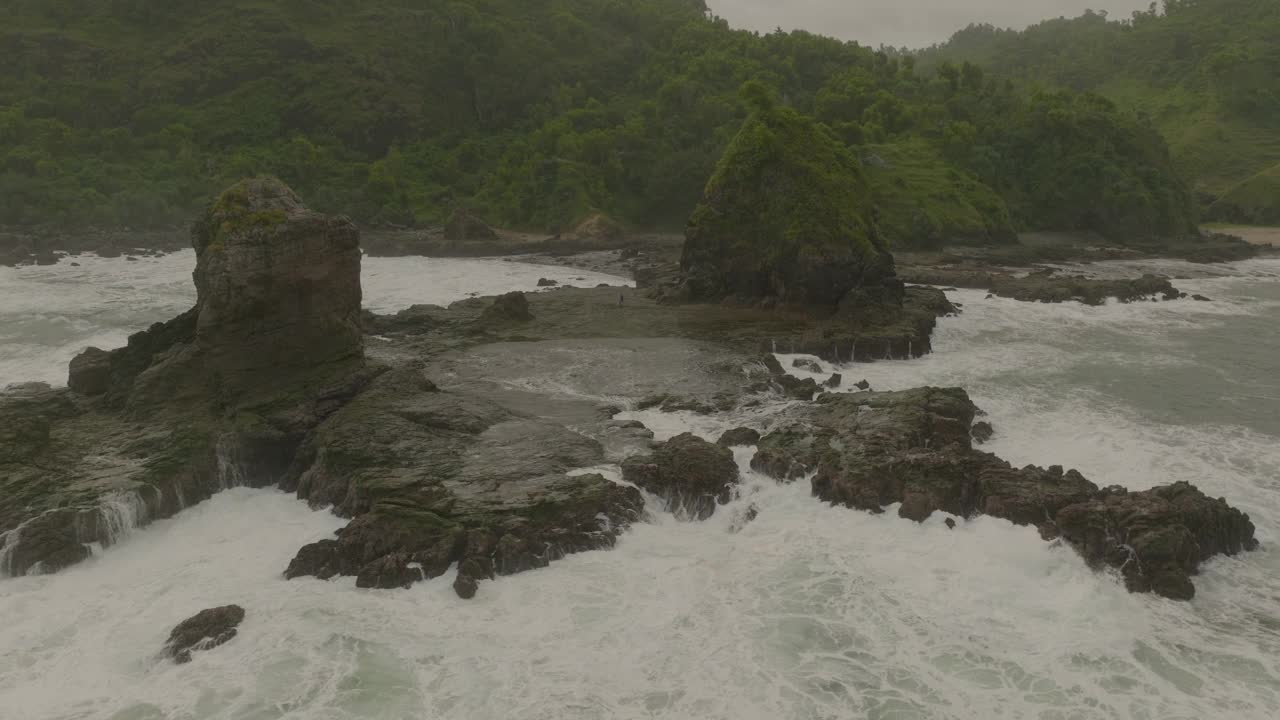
<point x="808" y="612"/>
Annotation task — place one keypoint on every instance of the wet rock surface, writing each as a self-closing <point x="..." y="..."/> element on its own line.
<point x="218" y="396"/>
<point x="463" y="226"/>
<point x="737" y="437"/>
<point x="512" y="307"/>
<point x="913" y="448"/>
<point x="268" y="381"/>
<point x="432" y="478"/>
<point x="1050" y="287"/>
<point x="690" y="474"/>
<point x="203" y="631"/>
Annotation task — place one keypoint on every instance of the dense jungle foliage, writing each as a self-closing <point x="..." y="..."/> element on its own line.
<point x="1207" y="73"/>
<point x="533" y="113"/>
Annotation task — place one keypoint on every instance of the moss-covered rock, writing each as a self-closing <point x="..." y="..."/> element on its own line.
<point x="787" y="215"/>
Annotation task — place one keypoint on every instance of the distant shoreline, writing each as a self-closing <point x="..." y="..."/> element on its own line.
<point x="1254" y="235"/>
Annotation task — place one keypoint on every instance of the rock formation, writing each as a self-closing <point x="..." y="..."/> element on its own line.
<point x="278" y="288"/>
<point x="220" y="395"/>
<point x="1050" y="287"/>
<point x="807" y="364"/>
<point x="689" y="473"/>
<point x="787" y="217"/>
<point x="466" y="227"/>
<point x="872" y="450"/>
<point x="512" y="307"/>
<point x="598" y="229"/>
<point x="737" y="437"/>
<point x="203" y="631"/>
<point x="433" y="478"/>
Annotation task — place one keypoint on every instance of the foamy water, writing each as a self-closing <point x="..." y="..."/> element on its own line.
<point x="806" y="612"/>
<point x="50" y="313"/>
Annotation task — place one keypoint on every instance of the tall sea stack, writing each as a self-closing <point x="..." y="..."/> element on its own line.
<point x="788" y="217"/>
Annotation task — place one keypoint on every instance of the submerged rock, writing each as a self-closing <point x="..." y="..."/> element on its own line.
<point x="913" y="448"/>
<point x="598" y="229"/>
<point x="982" y="432"/>
<point x="206" y="629"/>
<point x="807" y="364"/>
<point x="689" y="473"/>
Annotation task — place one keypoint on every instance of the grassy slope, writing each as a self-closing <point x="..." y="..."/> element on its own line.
<point x="1255" y="201"/>
<point x="1162" y="66"/>
<point x="924" y="202"/>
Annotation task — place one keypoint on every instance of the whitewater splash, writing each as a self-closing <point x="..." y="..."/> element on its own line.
<point x="51" y="313"/>
<point x="807" y="611"/>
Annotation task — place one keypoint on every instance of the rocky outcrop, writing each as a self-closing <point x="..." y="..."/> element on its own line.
<point x="913" y="448"/>
<point x="807" y="365"/>
<point x="433" y="478"/>
<point x="278" y="289"/>
<point x="221" y="395"/>
<point x="90" y="372"/>
<point x="982" y="432"/>
<point x="463" y="227"/>
<point x="739" y="437"/>
<point x="1050" y="287"/>
<point x="598" y="229"/>
<point x="690" y="474"/>
<point x="510" y="308"/>
<point x="203" y="631"/>
<point x="787" y="217"/>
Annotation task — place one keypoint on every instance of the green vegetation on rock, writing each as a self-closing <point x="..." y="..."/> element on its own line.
<point x="786" y="211"/>
<point x="533" y="115"/>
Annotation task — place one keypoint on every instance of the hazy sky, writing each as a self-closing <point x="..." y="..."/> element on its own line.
<point x="913" y="23"/>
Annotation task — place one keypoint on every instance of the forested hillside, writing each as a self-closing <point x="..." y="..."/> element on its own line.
<point x="530" y="112"/>
<point x="1207" y="72"/>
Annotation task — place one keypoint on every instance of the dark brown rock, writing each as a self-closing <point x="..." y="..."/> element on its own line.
<point x="872" y="450"/>
<point x="207" y="629"/>
<point x="278" y="288"/>
<point x="90" y="372"/>
<point x="1048" y="287"/>
<point x="982" y="432"/>
<point x="512" y="307"/>
<point x="466" y="227"/>
<point x="741" y="436"/>
<point x="689" y="473"/>
<point x="807" y="364"/>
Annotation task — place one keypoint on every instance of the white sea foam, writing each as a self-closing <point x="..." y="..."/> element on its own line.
<point x="50" y="313"/>
<point x="808" y="611"/>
